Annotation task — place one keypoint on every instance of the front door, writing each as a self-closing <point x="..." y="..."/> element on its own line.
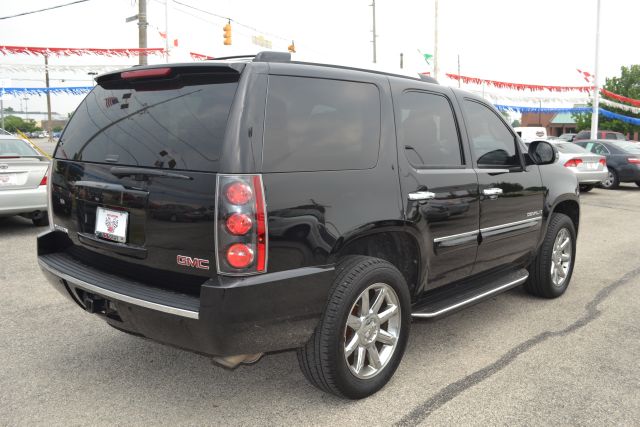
<point x="511" y="193"/>
<point x="439" y="185"/>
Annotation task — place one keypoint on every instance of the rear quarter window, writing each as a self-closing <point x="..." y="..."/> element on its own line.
<point x="314" y="124"/>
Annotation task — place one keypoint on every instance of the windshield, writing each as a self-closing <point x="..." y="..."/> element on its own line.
<point x="568" y="147"/>
<point x="173" y="124"/>
<point x="15" y="148"/>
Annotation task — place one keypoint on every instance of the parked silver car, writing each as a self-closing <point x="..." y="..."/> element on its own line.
<point x="590" y="169"/>
<point x="23" y="180"/>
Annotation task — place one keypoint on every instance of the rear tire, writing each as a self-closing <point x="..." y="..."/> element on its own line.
<point x="612" y="181"/>
<point x="550" y="273"/>
<point x="357" y="347"/>
<point x="638" y="183"/>
<point x="41" y="221"/>
<point x="586" y="188"/>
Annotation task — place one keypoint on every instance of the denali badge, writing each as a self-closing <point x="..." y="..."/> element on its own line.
<point x="187" y="261"/>
<point x="534" y="213"/>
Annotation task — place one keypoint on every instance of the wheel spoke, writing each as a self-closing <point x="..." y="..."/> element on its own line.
<point x="385" y="337"/>
<point x="360" y="356"/>
<point x="387" y="314"/>
<point x="364" y="305"/>
<point x="374" y="357"/>
<point x="353" y="344"/>
<point x="565" y="243"/>
<point x="377" y="303"/>
<point x="561" y="272"/>
<point x="565" y="257"/>
<point x="354" y="322"/>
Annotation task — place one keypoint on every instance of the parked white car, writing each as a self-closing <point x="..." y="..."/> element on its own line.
<point x="23" y="180"/>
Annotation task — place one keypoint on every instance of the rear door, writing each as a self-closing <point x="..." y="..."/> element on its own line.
<point x="439" y="185"/>
<point x="511" y="193"/>
<point x="135" y="174"/>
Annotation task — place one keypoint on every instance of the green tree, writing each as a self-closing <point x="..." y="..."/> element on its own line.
<point x="628" y="84"/>
<point x="515" y="123"/>
<point x="57" y="129"/>
<point x="14" y="123"/>
<point x="8" y="110"/>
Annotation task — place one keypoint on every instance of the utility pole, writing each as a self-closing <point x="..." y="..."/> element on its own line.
<point x="401" y="60"/>
<point x="26" y="109"/>
<point x="459" y="78"/>
<point x="142" y="30"/>
<point x="166" y="28"/>
<point x="596" y="86"/>
<point x="46" y="82"/>
<point x="373" y="5"/>
<point x="435" y="49"/>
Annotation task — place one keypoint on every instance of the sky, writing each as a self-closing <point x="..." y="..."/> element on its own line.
<point x="535" y="42"/>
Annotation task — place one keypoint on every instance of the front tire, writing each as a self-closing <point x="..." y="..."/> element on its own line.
<point x="362" y="335"/>
<point x="550" y="273"/>
<point x="612" y="181"/>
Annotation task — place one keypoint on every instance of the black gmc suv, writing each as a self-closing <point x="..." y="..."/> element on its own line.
<point x="249" y="205"/>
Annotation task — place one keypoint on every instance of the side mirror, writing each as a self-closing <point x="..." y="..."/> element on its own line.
<point x="542" y="152"/>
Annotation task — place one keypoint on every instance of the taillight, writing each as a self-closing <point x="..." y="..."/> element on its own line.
<point x="241" y="230"/>
<point x="603" y="162"/>
<point x="49" y="174"/>
<point x="633" y="160"/>
<point x="43" y="181"/>
<point x="573" y="163"/>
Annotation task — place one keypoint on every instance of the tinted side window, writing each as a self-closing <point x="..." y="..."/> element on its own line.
<point x="610" y="135"/>
<point x="599" y="149"/>
<point x="320" y="124"/>
<point x="428" y="131"/>
<point x="491" y="141"/>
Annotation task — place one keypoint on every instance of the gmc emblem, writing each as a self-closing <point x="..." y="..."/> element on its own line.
<point x="202" y="264"/>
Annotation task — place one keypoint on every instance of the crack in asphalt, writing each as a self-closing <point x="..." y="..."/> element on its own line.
<point x="453" y="390"/>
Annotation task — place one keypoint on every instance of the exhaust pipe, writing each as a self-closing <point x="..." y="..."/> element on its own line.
<point x="232" y="362"/>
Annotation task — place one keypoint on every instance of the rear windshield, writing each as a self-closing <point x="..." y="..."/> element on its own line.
<point x="15" y="147"/>
<point x="631" y="147"/>
<point x="570" y="148"/>
<point x="176" y="123"/>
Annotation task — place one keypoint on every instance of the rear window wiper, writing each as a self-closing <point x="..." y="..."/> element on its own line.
<point x="140" y="173"/>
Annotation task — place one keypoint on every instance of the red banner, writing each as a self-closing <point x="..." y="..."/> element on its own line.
<point x="199" y="56"/>
<point x="518" y="86"/>
<point x="69" y="51"/>
<point x="631" y="101"/>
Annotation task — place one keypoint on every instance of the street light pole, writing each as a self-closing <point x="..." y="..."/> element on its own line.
<point x="373" y="5"/>
<point x="436" y="69"/>
<point x="596" y="85"/>
<point x="26" y="109"/>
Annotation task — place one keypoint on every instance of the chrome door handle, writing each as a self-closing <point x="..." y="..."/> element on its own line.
<point x="492" y="191"/>
<point x="422" y="195"/>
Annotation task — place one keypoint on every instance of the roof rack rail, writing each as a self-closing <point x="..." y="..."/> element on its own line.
<point x="428" y="79"/>
<point x="232" y="57"/>
<point x="269" y="56"/>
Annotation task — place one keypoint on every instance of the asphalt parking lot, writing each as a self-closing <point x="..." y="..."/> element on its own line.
<point x="511" y="360"/>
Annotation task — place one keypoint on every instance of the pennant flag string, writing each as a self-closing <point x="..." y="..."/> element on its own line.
<point x="200" y="57"/>
<point x="631" y="101"/>
<point x="69" y="51"/>
<point x="69" y="90"/>
<point x="629" y="108"/>
<point x="518" y="86"/>
<point x="605" y="113"/>
<point x="21" y="68"/>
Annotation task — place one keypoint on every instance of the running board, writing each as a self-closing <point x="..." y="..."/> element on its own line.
<point x="445" y="300"/>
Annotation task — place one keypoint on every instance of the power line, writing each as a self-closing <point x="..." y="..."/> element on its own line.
<point x="43" y="10"/>
<point x="232" y="20"/>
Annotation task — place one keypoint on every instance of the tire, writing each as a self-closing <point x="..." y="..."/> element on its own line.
<point x="586" y="188"/>
<point x="543" y="282"/>
<point x="323" y="361"/>
<point x="638" y="183"/>
<point x="40" y="221"/>
<point x="612" y="181"/>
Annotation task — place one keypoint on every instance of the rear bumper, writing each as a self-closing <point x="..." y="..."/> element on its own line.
<point x="14" y="202"/>
<point x="263" y="313"/>
<point x="594" y="177"/>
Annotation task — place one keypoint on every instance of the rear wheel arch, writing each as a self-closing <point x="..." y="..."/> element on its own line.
<point x="396" y="245"/>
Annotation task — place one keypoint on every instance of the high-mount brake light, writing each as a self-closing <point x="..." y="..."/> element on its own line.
<point x="573" y="163"/>
<point x="241" y="225"/>
<point x="145" y="74"/>
<point x="238" y="193"/>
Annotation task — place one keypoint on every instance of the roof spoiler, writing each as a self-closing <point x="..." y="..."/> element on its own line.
<point x="428" y="79"/>
<point x="264" y="56"/>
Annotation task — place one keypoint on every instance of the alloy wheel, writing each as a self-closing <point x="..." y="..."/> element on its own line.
<point x="561" y="257"/>
<point x="372" y="330"/>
